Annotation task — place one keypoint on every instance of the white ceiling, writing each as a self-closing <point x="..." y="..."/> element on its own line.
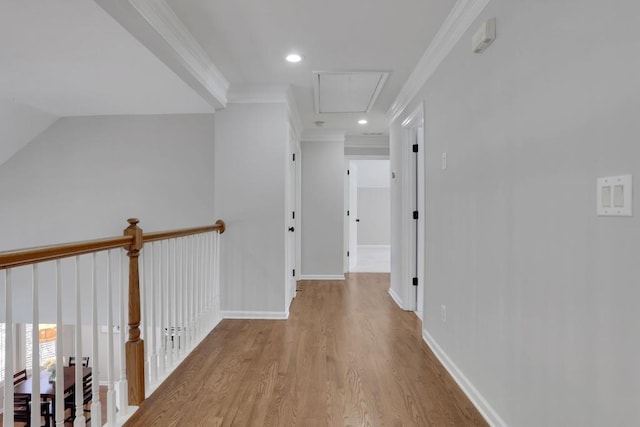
<point x="248" y="39"/>
<point x="69" y="58"/>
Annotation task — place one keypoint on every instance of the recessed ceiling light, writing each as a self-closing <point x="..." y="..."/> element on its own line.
<point x="293" y="57"/>
<point x="362" y="122"/>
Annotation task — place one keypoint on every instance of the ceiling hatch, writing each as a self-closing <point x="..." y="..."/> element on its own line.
<point x="347" y="92"/>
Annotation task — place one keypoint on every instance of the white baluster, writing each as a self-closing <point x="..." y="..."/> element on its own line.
<point x="35" y="349"/>
<point x="168" y="335"/>
<point x="212" y="314"/>
<point x="178" y="306"/>
<point x="216" y="269"/>
<point x="123" y="385"/>
<point x="163" y="336"/>
<point x="192" y="271"/>
<point x="144" y="308"/>
<point x="152" y="305"/>
<point x="208" y="284"/>
<point x="59" y="409"/>
<point x="187" y="292"/>
<point x="8" y="350"/>
<point x="183" y="300"/>
<point x="173" y="306"/>
<point x="200" y="264"/>
<point x="79" y="421"/>
<point x="111" y="392"/>
<point x="96" y="406"/>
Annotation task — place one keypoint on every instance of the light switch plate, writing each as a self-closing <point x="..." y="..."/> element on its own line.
<point x="614" y="196"/>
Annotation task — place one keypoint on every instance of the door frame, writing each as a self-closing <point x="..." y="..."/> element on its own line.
<point x="410" y="131"/>
<point x="292" y="250"/>
<point x="347" y="159"/>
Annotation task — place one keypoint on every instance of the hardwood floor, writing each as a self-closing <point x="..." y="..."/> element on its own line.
<point x="347" y="356"/>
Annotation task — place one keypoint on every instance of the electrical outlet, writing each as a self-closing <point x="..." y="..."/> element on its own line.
<point x="443" y="313"/>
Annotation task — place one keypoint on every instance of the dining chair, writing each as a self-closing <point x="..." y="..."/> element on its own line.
<point x="85" y="361"/>
<point x="19" y="377"/>
<point x="70" y="400"/>
<point x="22" y="410"/>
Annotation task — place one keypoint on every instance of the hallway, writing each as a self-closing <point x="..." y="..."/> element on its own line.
<point x="346" y="356"/>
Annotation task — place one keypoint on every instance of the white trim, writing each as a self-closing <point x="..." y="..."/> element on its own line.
<point x="254" y="94"/>
<point x="463" y="14"/>
<point x="266" y="315"/>
<point x="396" y="298"/>
<point x="186" y="49"/>
<point x="481" y="404"/>
<point x="269" y="94"/>
<point x="322" y="277"/>
<point x="323" y="136"/>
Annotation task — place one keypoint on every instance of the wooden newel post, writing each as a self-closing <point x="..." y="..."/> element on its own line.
<point x="135" y="345"/>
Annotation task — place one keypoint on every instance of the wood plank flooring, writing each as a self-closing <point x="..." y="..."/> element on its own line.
<point x="347" y="356"/>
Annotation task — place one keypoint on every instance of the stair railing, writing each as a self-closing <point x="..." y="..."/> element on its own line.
<point x="178" y="306"/>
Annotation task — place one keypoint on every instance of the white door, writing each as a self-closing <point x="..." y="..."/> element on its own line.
<point x="353" y="215"/>
<point x="291" y="221"/>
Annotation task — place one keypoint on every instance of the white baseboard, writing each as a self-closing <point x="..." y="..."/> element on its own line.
<point x="396" y="298"/>
<point x="481" y="404"/>
<point x="321" y="277"/>
<point x="264" y="315"/>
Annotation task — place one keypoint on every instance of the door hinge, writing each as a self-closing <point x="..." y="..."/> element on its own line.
<point x="294" y="157"/>
<point x="347" y="253"/>
<point x="415" y="281"/>
<point x="293" y="273"/>
<point x="293" y="214"/>
<point x="415" y="214"/>
<point x="415" y="148"/>
<point x="347" y="171"/>
<point x="347" y="213"/>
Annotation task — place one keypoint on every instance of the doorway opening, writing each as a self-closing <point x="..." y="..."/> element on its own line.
<point x="368" y="216"/>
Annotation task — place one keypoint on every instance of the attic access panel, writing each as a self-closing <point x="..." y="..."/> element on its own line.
<point x="347" y="92"/>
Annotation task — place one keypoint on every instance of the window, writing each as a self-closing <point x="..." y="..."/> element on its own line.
<point x="47" y="343"/>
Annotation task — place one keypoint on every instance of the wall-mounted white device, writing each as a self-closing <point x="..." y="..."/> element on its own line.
<point x="614" y="196"/>
<point x="485" y="35"/>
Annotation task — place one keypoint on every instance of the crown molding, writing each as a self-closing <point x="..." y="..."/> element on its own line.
<point x="323" y="136"/>
<point x="275" y="94"/>
<point x="154" y="24"/>
<point x="358" y="141"/>
<point x="252" y="94"/>
<point x="463" y="14"/>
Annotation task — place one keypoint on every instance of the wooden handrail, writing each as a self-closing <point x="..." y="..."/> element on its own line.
<point x="219" y="226"/>
<point x="29" y="256"/>
<point x="132" y="241"/>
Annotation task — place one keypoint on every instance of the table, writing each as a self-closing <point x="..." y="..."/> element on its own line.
<point x="47" y="389"/>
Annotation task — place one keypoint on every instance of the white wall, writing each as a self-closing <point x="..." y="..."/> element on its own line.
<point x="251" y="155"/>
<point x="19" y="124"/>
<point x="541" y="294"/>
<point x="374" y="215"/>
<point x="322" y="209"/>
<point x="83" y="177"/>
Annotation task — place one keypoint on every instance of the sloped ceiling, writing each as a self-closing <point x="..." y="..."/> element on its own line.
<point x="71" y="58"/>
